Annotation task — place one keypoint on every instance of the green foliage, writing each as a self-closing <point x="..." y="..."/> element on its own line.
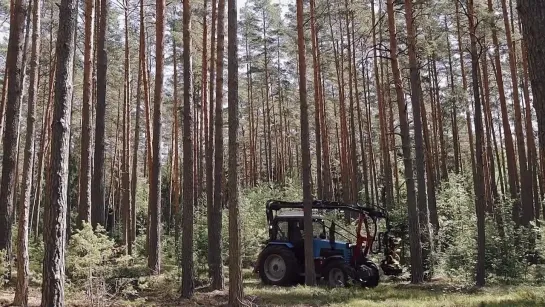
<point x="3" y="266"/>
<point x="87" y="253"/>
<point x="456" y="250"/>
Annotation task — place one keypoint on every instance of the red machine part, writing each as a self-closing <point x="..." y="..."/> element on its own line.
<point x="360" y="239"/>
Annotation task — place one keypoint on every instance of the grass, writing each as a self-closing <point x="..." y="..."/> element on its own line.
<point x="163" y="291"/>
<point x="402" y="295"/>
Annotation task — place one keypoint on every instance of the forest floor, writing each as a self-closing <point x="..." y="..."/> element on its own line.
<point x="434" y="294"/>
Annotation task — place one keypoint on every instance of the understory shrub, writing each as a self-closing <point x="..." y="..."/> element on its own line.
<point x="88" y="252"/>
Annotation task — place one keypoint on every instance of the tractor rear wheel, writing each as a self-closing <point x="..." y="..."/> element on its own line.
<point x="374" y="277"/>
<point x="338" y="274"/>
<point x="278" y="266"/>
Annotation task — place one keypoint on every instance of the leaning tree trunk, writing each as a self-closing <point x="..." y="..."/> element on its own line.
<point x="55" y="215"/>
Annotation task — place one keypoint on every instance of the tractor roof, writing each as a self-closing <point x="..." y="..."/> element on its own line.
<point x="297" y="214"/>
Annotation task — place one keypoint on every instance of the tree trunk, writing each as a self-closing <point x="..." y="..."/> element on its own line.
<point x="23" y="269"/>
<point x="526" y="195"/>
<point x="236" y="294"/>
<point x="55" y="216"/>
<point x="210" y="208"/>
<point x="134" y="174"/>
<point x="215" y="261"/>
<point x="417" y="272"/>
<point x="154" y="249"/>
<point x="97" y="194"/>
<point x="416" y="97"/>
<point x="11" y="131"/>
<point x="188" y="285"/>
<point x="84" y="208"/>
<point x="126" y="142"/>
<point x="532" y="16"/>
<point x="479" y="191"/>
<point x="317" y="103"/>
<point x="310" y="274"/>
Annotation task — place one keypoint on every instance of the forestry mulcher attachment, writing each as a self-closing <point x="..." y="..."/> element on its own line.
<point x="338" y="263"/>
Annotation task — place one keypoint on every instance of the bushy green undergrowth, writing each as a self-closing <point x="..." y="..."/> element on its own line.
<point x="88" y="253"/>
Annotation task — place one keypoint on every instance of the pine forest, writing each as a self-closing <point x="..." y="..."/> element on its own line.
<point x="272" y="153"/>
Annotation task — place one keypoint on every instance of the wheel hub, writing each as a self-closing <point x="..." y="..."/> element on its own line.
<point x="275" y="267"/>
<point x="336" y="277"/>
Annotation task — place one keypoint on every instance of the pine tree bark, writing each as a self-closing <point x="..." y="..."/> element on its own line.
<point x="154" y="254"/>
<point x="210" y="207"/>
<point x="416" y="97"/>
<point x="417" y="271"/>
<point x="512" y="173"/>
<point x="23" y="269"/>
<point x="97" y="188"/>
<point x="127" y="214"/>
<point x="134" y="173"/>
<point x="526" y="195"/>
<point x="84" y="207"/>
<point x="236" y="294"/>
<point x="310" y="274"/>
<point x="479" y="191"/>
<point x="215" y="261"/>
<point x="188" y="285"/>
<point x="11" y="130"/>
<point x="532" y="16"/>
<point x="55" y="213"/>
<point x="317" y="103"/>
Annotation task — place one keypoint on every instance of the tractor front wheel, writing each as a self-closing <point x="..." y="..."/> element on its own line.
<point x="278" y="266"/>
<point x="338" y="274"/>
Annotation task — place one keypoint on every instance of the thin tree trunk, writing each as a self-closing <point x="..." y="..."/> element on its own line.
<point x="23" y="269"/>
<point x="188" y="285"/>
<point x="11" y="131"/>
<point x="84" y="208"/>
<point x="310" y="274"/>
<point x="236" y="294"/>
<point x="479" y="191"/>
<point x="215" y="262"/>
<point x="154" y="254"/>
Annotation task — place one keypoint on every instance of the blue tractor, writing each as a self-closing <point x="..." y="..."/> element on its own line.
<point x="338" y="263"/>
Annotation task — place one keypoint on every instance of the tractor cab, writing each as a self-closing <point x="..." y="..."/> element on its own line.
<point x="340" y="257"/>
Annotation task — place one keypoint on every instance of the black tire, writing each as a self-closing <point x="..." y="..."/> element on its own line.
<point x="373" y="281"/>
<point x="338" y="273"/>
<point x="278" y="254"/>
